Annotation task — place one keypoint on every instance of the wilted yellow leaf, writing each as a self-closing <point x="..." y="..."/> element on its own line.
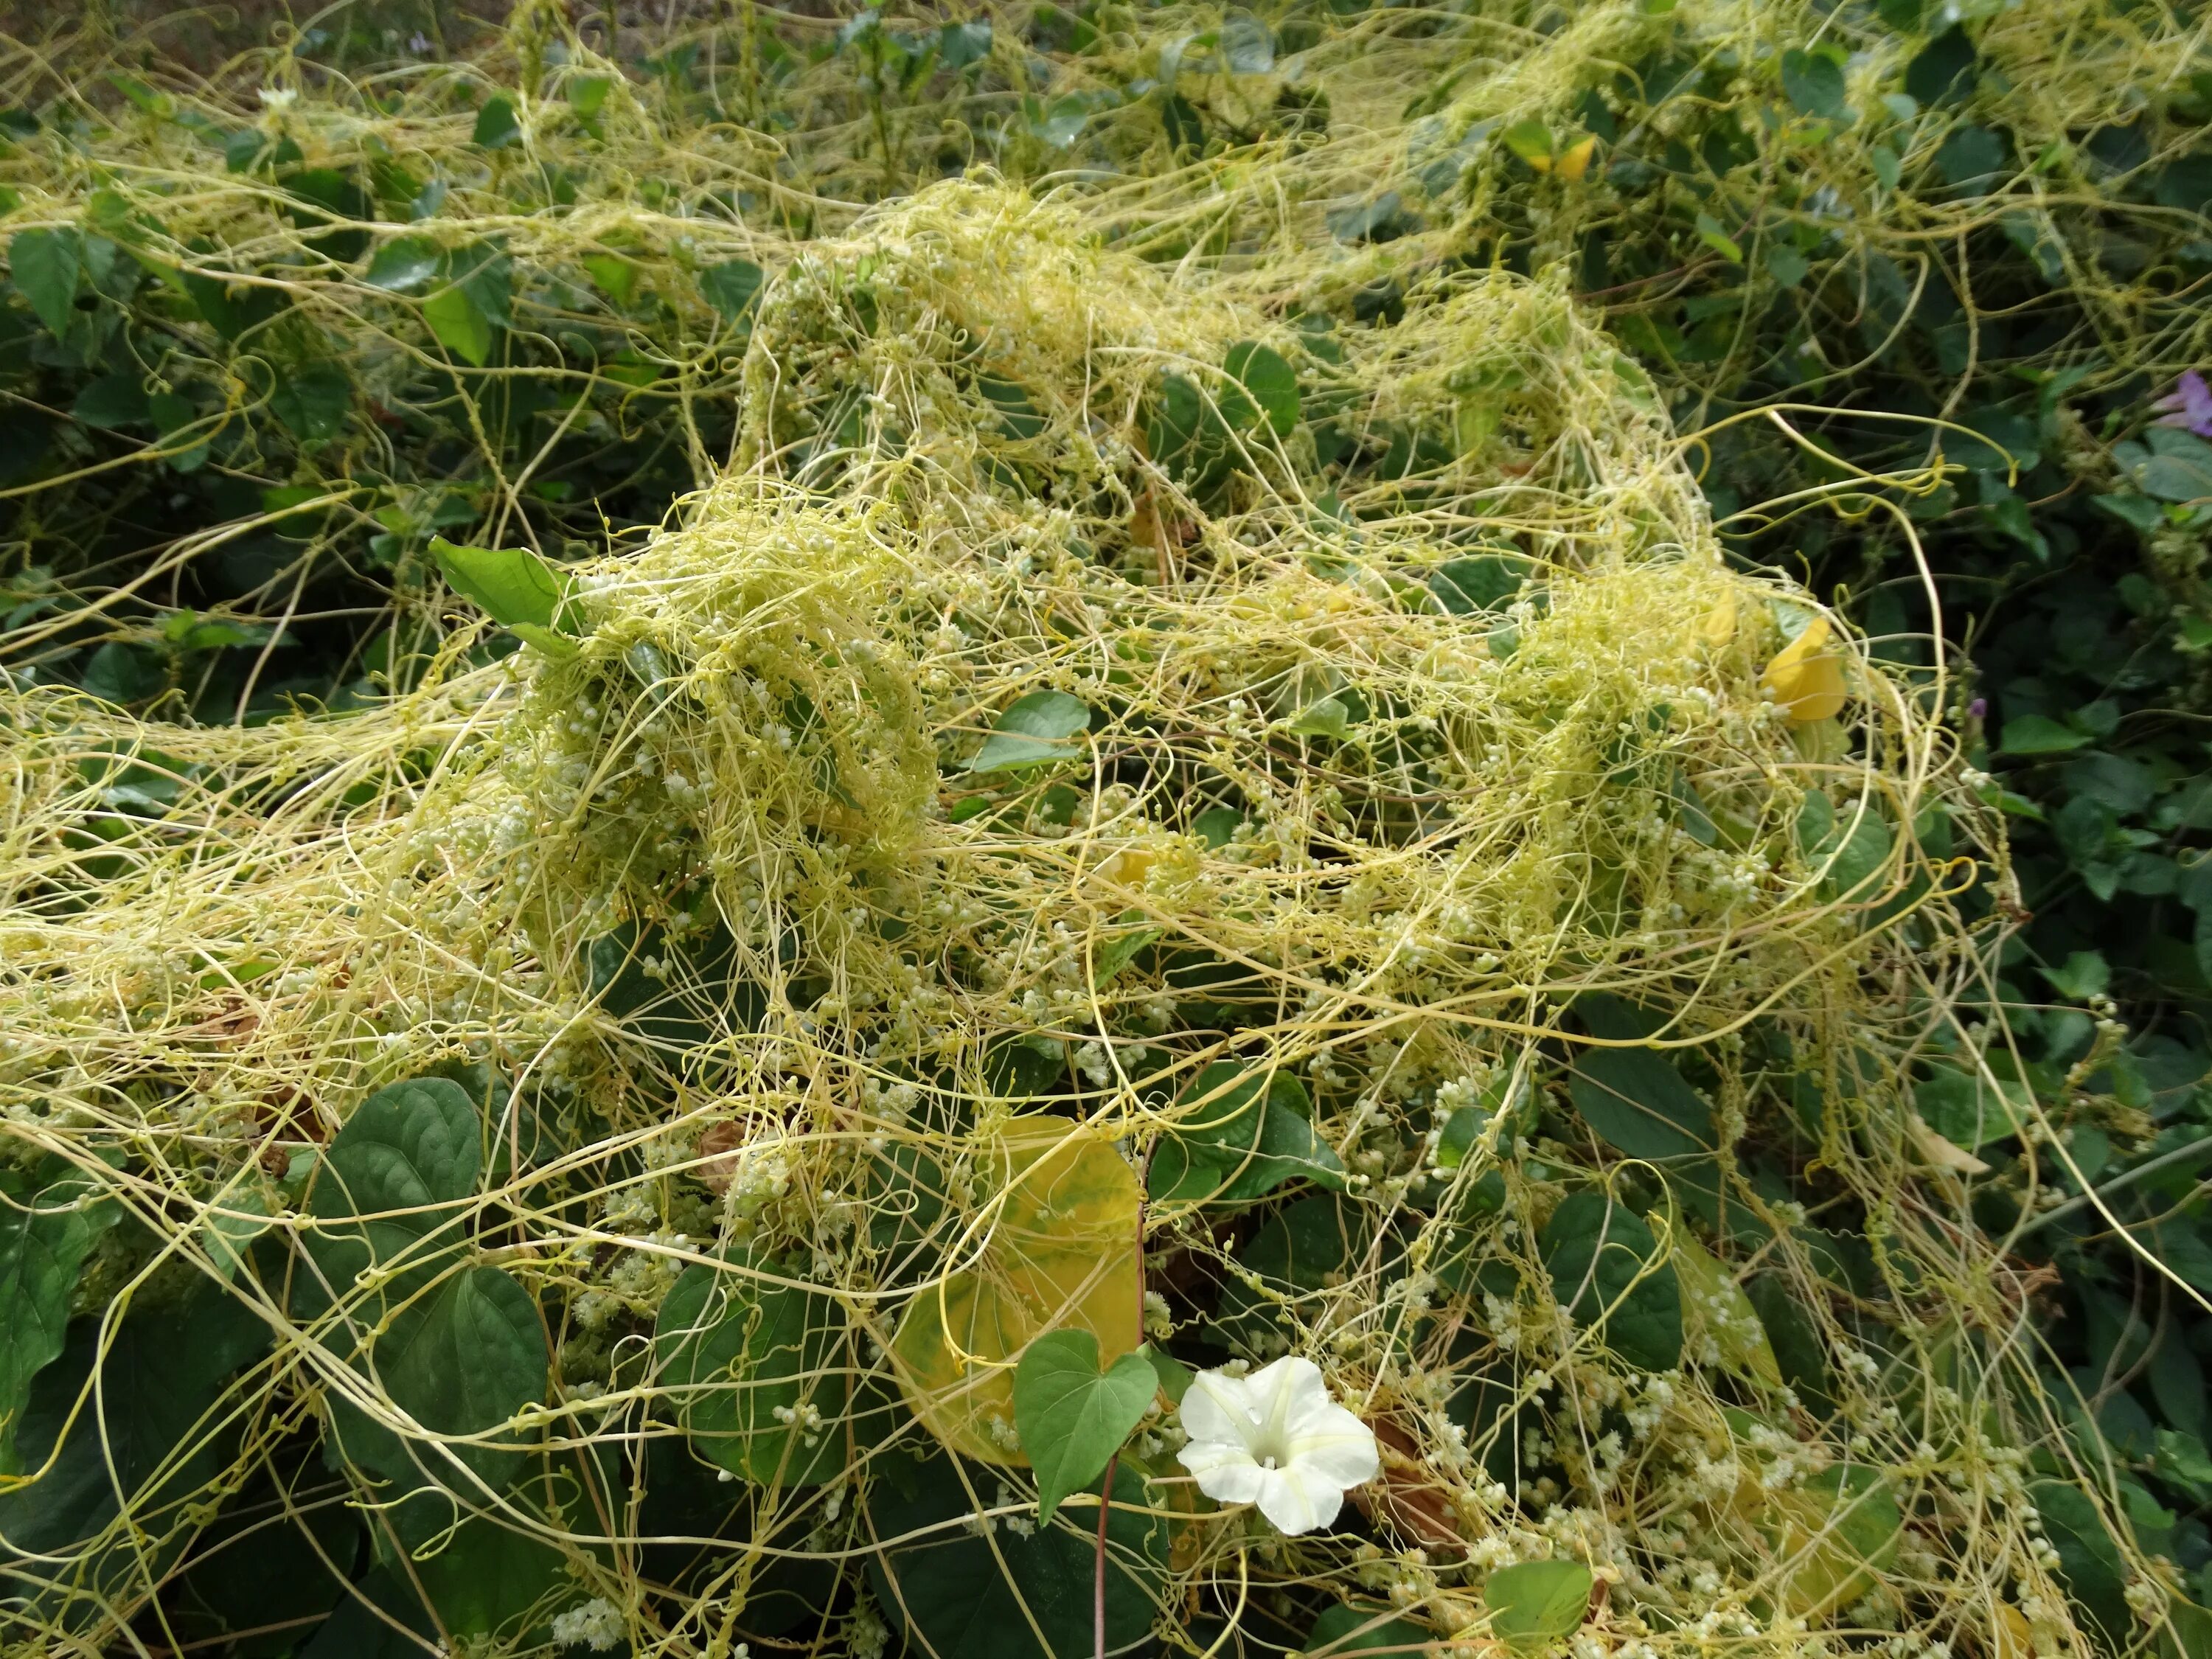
<point x="2010" y="1636"/>
<point x="1577" y="160"/>
<point x="1942" y="1153"/>
<point x="1805" y="678"/>
<point x="1061" y="1255"/>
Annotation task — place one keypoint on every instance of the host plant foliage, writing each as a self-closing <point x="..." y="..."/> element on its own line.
<point x="1189" y="782"/>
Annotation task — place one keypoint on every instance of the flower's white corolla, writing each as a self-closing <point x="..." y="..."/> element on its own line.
<point x="1275" y="1438"/>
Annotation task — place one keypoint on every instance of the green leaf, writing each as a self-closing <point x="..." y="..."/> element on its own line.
<point x="1486" y="581"/>
<point x="1115" y="954"/>
<point x="734" y="1351"/>
<point x="122" y="673"/>
<point x="2083" y="975"/>
<point x="393" y="1190"/>
<point x="1248" y="1132"/>
<point x="1217" y="826"/>
<point x="1271" y="382"/>
<point x="1034" y="731"/>
<point x="112" y="400"/>
<point x="696" y="996"/>
<point x="410" y="1145"/>
<point x="1345" y="1629"/>
<point x="1785" y="265"/>
<point x="44" y="1239"/>
<point x="1969" y="1110"/>
<point x="1856" y="861"/>
<point x="516" y="588"/>
<point x="1836" y="1531"/>
<point x="1943" y="72"/>
<point x="405" y="265"/>
<point x="1714" y="236"/>
<point x="231" y="313"/>
<point x="2184" y="1463"/>
<point x="587" y="94"/>
<point x="1635" y="1097"/>
<point x="478" y="1576"/>
<point x="2178" y="468"/>
<point x="1247" y="44"/>
<point x="732" y="287"/>
<point x="235" y="1221"/>
<point x="1535" y="1603"/>
<point x="460" y="1359"/>
<point x="1183" y="434"/>
<point x="1606" y="1271"/>
<point x="251" y="1570"/>
<point x="1813" y="81"/>
<point x="612" y="275"/>
<point x="312" y="402"/>
<point x="972" y="1590"/>
<point x="1060" y="122"/>
<point x="959" y="44"/>
<point x="1800" y="1353"/>
<point x="496" y="126"/>
<point x="1639" y="1103"/>
<point x="1971" y="157"/>
<point x="460" y="324"/>
<point x="2038" y="734"/>
<point x="1018" y="416"/>
<point x="1173" y="1376"/>
<point x="1461" y="1130"/>
<point x="44" y="265"/>
<point x="1715" y="1304"/>
<point x="1326" y="717"/>
<point x="149" y="1440"/>
<point x="1072" y="1420"/>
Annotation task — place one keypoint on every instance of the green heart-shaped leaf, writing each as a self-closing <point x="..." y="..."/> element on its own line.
<point x="1537" y="1603"/>
<point x="1071" y="1418"/>
<point x="516" y="588"/>
<point x="1034" y="731"/>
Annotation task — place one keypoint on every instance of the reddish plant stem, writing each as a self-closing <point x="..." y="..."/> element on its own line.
<point x="1099" y="1581"/>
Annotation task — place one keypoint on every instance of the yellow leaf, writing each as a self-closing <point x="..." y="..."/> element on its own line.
<point x="1805" y="678"/>
<point x="1944" y="1154"/>
<point x="2010" y="1637"/>
<point x="1061" y="1254"/>
<point x="1716" y="1303"/>
<point x="1576" y="162"/>
<point x="1719" y="625"/>
<point x="1830" y="1536"/>
<point x="1539" y="163"/>
<point x="1825" y="1537"/>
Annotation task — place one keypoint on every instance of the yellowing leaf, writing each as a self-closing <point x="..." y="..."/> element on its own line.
<point x="1830" y="1535"/>
<point x="1943" y="1153"/>
<point x="2010" y="1636"/>
<point x="1713" y="1303"/>
<point x="1719" y="625"/>
<point x="1061" y="1254"/>
<point x="1531" y="141"/>
<point x="1805" y="678"/>
<point x="1575" y="161"/>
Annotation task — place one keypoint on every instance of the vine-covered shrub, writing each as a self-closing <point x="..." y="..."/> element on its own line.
<point x="815" y="915"/>
<point x="1192" y="790"/>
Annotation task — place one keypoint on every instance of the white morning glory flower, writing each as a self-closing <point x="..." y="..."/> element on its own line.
<point x="1275" y="1438"/>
